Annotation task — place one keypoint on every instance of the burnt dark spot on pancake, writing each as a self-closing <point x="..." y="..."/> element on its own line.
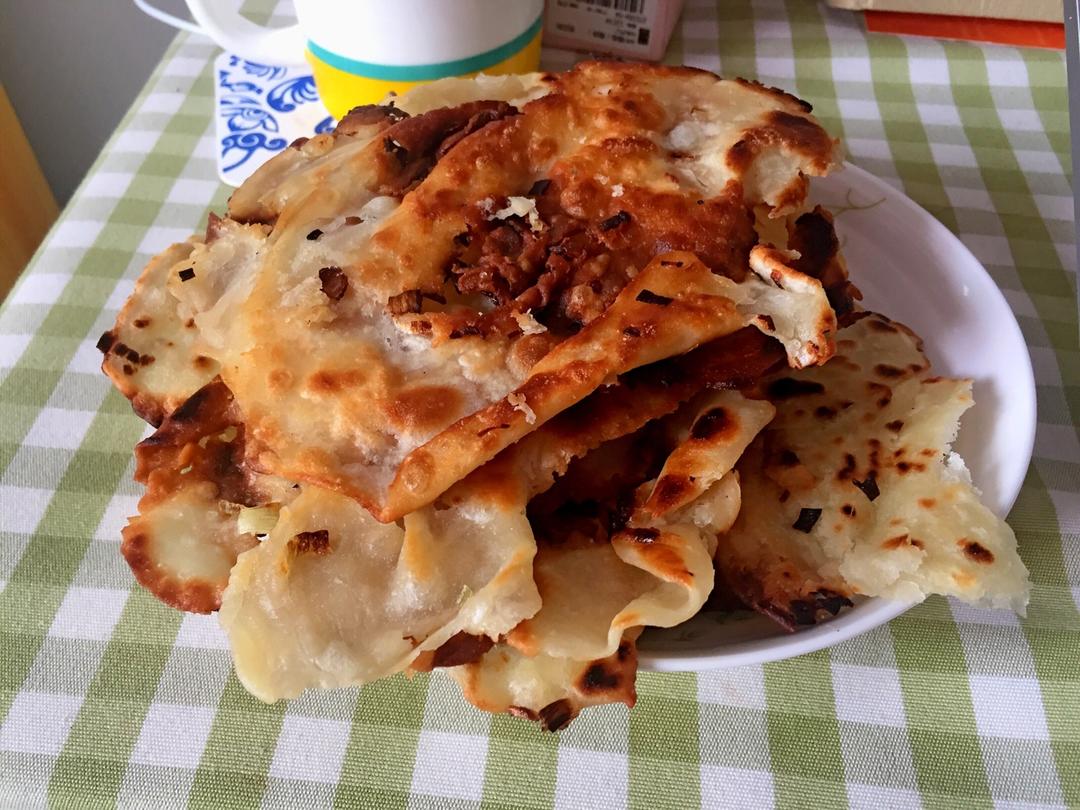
<point x="848" y="469"/>
<point x="556" y="715"/>
<point x="899" y="541"/>
<point x="904" y="467"/>
<point x="896" y="425"/>
<point x="976" y="552"/>
<point x="392" y="147"/>
<point x="466" y="331"/>
<point x="404" y="303"/>
<point x="868" y="486"/>
<point x="804" y="611"/>
<point x="649" y="297"/>
<point x="334" y="282"/>
<point x="806" y="520"/>
<point x="825" y="412"/>
<point x="367" y="115"/>
<point x="105" y="342"/>
<point x="597" y="678"/>
<point x="461" y="648"/>
<point x="713" y="423"/>
<point x="187" y="274"/>
<point x="314" y="234"/>
<point x="787" y="458"/>
<point x="141" y="323"/>
<point x="789" y="387"/>
<point x="885" y="370"/>
<point x="882" y="392"/>
<point x="848" y="510"/>
<point x="800" y="132"/>
<point x="615" y="221"/>
<point x="314" y="542"/>
<point x="669" y="489"/>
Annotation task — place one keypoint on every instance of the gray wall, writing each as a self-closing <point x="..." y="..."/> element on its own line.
<point x="71" y="69"/>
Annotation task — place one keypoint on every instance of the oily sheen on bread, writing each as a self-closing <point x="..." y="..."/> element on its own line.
<point x="382" y="295"/>
<point x="503" y="371"/>
<point x="852" y="490"/>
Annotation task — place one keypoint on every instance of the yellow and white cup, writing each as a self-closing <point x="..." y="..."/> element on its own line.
<point x="360" y="50"/>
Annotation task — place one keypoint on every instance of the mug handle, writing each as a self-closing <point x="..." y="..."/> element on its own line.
<point x="168" y="19"/>
<point x="234" y="33"/>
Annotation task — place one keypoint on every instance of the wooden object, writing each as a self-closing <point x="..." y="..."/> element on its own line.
<point x="27" y="205"/>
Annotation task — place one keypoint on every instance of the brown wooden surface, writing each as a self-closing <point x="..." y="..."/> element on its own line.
<point x="27" y="205"/>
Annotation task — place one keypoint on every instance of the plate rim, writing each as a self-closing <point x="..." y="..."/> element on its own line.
<point x="878" y="611"/>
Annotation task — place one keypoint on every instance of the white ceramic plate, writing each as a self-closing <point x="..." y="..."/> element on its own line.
<point x="911" y="268"/>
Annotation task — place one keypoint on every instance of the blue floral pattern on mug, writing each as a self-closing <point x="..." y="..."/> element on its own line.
<point x="259" y="110"/>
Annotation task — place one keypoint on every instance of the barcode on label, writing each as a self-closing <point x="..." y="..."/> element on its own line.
<point x="633" y="6"/>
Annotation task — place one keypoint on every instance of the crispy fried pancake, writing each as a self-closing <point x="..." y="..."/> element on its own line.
<point x="335" y="598"/>
<point x="186" y="537"/>
<point x="601" y="580"/>
<point x="852" y="490"/>
<point x="151" y="353"/>
<point x="376" y="598"/>
<point x="473" y="383"/>
<point x="547" y="689"/>
<point x="417" y="269"/>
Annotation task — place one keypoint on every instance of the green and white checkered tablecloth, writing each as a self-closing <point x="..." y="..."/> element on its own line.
<point x="108" y="697"/>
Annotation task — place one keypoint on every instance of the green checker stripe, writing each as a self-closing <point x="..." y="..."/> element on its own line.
<point x="736" y="49"/>
<point x="522" y="764"/>
<point x="664" y="746"/>
<point x="378" y="766"/>
<point x="804" y="738"/>
<point x="941" y="720"/>
<point x="813" y="64"/>
<point x="1040" y="270"/>
<point x="89" y="474"/>
<point x="237" y="757"/>
<point x="1052" y="630"/>
<point x="904" y="130"/>
<point x="94" y="760"/>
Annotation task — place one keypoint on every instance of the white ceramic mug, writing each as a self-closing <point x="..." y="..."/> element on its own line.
<point x="359" y="50"/>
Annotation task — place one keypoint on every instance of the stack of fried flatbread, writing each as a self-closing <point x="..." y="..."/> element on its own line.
<point x="505" y="370"/>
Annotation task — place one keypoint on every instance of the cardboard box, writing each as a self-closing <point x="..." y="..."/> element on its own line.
<point x="631" y="29"/>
